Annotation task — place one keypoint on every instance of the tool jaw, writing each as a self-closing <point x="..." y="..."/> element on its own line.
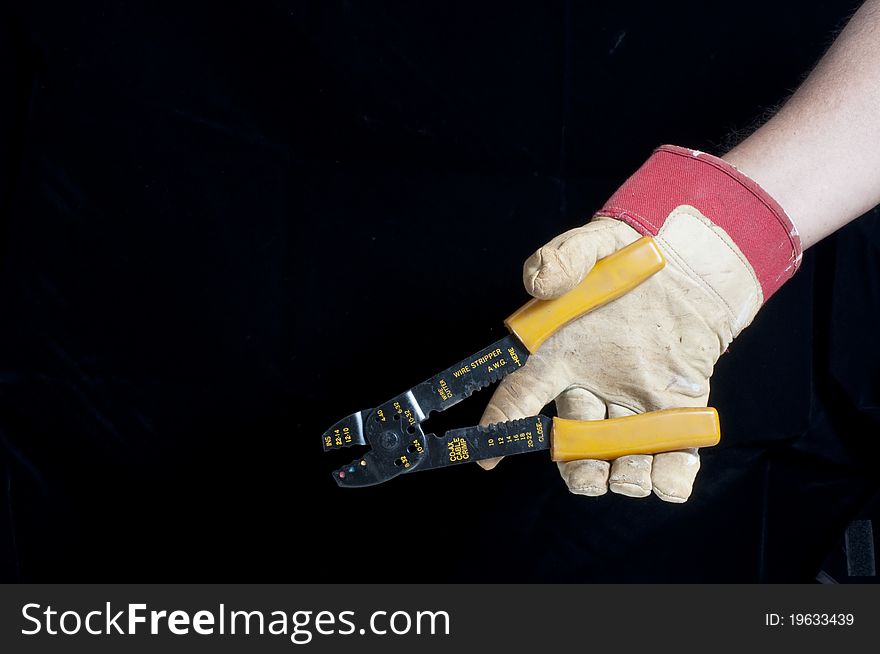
<point x="393" y="430"/>
<point x="397" y="443"/>
<point x="347" y="432"/>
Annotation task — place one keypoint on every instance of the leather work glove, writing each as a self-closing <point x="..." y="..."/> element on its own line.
<point x="728" y="246"/>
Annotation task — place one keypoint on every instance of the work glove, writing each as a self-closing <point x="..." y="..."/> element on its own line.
<point x="728" y="247"/>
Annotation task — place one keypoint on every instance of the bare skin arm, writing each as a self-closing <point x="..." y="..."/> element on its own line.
<point x="819" y="156"/>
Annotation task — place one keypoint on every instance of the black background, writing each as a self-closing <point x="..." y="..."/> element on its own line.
<point x="228" y="224"/>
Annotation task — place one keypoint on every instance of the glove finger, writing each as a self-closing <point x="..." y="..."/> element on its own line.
<point x="674" y="474"/>
<point x="630" y="475"/>
<point x="559" y="266"/>
<point x="521" y="394"/>
<point x="589" y="476"/>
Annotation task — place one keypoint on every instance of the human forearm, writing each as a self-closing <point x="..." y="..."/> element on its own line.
<point x="819" y="156"/>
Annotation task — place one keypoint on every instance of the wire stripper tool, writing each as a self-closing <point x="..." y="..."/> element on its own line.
<point x="399" y="445"/>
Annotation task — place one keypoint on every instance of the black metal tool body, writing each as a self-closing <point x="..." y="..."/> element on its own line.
<point x="393" y="430"/>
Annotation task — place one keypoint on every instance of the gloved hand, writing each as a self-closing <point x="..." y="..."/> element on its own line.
<point x="728" y="247"/>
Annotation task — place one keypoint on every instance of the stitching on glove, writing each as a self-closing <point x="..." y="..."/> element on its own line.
<point x="622" y="214"/>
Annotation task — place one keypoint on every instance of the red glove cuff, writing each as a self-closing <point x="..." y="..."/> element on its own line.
<point x="674" y="176"/>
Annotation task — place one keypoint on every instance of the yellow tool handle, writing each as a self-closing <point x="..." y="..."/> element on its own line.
<point x="645" y="433"/>
<point x="610" y="278"/>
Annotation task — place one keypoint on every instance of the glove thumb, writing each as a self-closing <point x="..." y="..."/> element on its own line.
<point x="559" y="266"/>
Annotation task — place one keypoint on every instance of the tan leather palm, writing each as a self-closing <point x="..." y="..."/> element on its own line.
<point x="653" y="348"/>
